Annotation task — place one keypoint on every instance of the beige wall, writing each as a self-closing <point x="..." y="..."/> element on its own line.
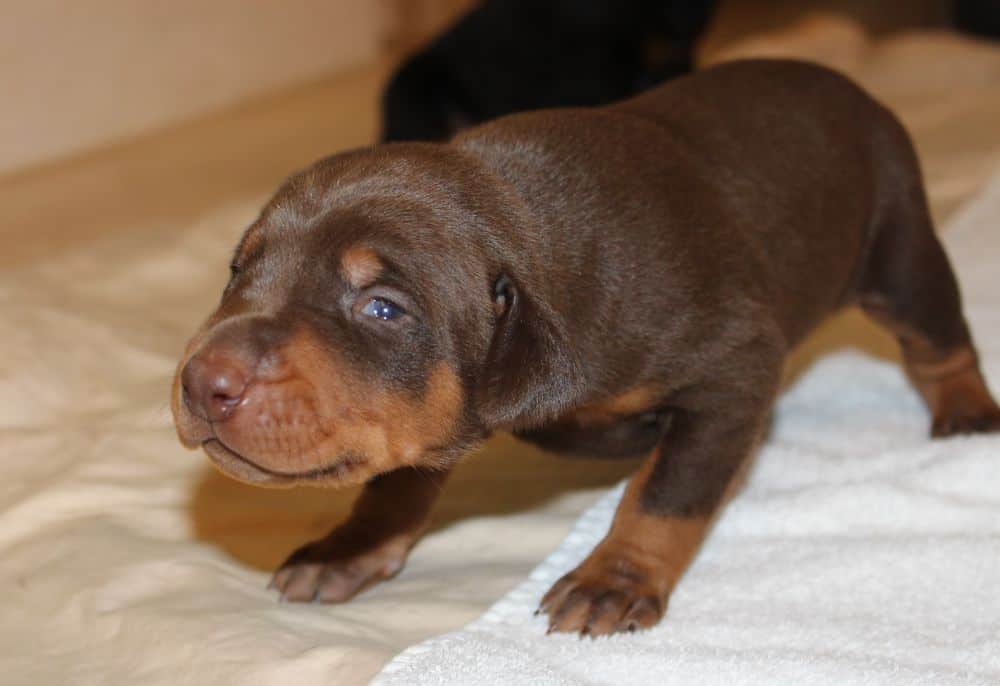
<point x="414" y="21"/>
<point x="78" y="74"/>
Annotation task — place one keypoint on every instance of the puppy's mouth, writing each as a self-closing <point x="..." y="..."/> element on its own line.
<point x="243" y="469"/>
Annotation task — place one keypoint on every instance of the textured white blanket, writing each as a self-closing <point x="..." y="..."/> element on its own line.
<point x="859" y="551"/>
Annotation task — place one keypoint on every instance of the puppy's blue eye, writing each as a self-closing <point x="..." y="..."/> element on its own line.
<point x="383" y="309"/>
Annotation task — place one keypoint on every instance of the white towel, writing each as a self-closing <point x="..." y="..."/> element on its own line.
<point x="858" y="552"/>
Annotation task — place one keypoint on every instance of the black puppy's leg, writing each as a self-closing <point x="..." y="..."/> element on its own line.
<point x="910" y="288"/>
<point x="624" y="583"/>
<point x="388" y="517"/>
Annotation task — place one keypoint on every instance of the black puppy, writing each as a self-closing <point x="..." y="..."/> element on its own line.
<point x="507" y="56"/>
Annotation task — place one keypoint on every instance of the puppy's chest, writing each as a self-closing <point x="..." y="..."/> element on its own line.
<point x="632" y="403"/>
<point x="627" y="424"/>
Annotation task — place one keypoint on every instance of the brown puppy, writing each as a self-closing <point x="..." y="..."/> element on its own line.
<point x="619" y="281"/>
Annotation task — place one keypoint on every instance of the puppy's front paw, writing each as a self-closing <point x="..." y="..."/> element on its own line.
<point x="606" y="594"/>
<point x="335" y="569"/>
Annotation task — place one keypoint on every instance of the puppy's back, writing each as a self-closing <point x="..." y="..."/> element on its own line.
<point x="733" y="182"/>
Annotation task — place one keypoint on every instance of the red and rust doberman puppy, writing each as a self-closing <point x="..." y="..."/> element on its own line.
<point x="616" y="281"/>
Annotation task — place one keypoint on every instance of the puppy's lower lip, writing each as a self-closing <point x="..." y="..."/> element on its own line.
<point x="232" y="462"/>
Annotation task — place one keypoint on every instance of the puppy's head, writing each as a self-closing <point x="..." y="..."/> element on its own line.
<point x="371" y="322"/>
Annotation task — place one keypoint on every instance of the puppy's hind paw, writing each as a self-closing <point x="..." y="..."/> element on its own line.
<point x="987" y="421"/>
<point x="961" y="404"/>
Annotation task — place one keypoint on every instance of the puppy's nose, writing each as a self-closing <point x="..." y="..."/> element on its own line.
<point x="213" y="387"/>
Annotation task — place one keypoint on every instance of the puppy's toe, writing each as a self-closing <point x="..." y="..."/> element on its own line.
<point x="641" y="614"/>
<point x="297" y="583"/>
<point x="606" y="612"/>
<point x="596" y="600"/>
<point x="322" y="572"/>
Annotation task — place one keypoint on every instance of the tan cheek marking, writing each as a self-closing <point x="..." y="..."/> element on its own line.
<point x="395" y="429"/>
<point x="345" y="409"/>
<point x="427" y="421"/>
<point x="388" y="429"/>
<point x="360" y="265"/>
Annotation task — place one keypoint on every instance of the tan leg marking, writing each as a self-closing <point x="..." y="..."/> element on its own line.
<point x="955" y="392"/>
<point x="950" y="381"/>
<point x="624" y="583"/>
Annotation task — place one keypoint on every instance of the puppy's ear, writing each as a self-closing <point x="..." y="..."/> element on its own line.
<point x="530" y="373"/>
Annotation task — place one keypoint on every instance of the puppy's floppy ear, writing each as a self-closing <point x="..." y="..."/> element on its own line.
<point x="530" y="373"/>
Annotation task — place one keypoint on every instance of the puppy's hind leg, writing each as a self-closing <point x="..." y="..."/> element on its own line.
<point x="909" y="287"/>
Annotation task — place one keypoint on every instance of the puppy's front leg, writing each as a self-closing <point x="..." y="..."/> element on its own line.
<point x="624" y="583"/>
<point x="388" y="517"/>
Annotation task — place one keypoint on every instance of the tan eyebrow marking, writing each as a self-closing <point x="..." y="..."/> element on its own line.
<point x="360" y="265"/>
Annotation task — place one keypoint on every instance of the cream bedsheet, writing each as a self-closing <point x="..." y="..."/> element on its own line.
<point x="124" y="559"/>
